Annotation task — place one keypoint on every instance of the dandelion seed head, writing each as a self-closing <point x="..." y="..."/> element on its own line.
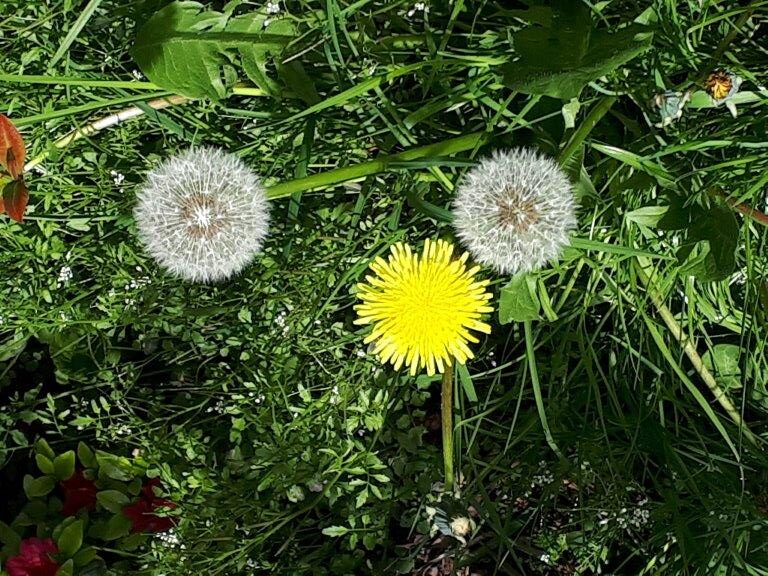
<point x="203" y="214"/>
<point x="423" y="307"/>
<point x="515" y="211"/>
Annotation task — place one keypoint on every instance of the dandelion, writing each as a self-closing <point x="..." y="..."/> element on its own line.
<point x="422" y="308"/>
<point x="515" y="211"/>
<point x="202" y="215"/>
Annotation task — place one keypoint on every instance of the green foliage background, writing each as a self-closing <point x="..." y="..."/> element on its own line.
<point x="256" y="400"/>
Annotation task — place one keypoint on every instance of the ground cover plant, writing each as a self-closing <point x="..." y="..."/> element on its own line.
<point x="383" y="287"/>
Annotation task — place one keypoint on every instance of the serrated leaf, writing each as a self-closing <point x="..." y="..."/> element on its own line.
<point x="335" y="531"/>
<point x="561" y="57"/>
<point x="187" y="49"/>
<point x="71" y="539"/>
<point x="64" y="465"/>
<point x="518" y="301"/>
<point x="38" y="487"/>
<point x="112" y="500"/>
<point x="12" y="149"/>
<point x="15" y="199"/>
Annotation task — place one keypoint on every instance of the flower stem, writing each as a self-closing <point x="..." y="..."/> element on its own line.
<point x="529" y="352"/>
<point x="446" y="405"/>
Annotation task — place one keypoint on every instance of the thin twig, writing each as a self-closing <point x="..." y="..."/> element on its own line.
<point x="745" y="209"/>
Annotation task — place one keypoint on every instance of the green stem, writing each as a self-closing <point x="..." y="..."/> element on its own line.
<point x="382" y="164"/>
<point x="581" y="133"/>
<point x="644" y="273"/>
<point x="446" y="405"/>
<point x="529" y="352"/>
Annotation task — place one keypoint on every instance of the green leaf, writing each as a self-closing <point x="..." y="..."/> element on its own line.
<point x="518" y="301"/>
<point x="112" y="500"/>
<point x="64" y="465"/>
<point x="86" y="456"/>
<point x="335" y="531"/>
<point x="38" y="487"/>
<point x="66" y="569"/>
<point x="723" y="361"/>
<point x="44" y="464"/>
<point x="565" y="53"/>
<point x="188" y="50"/>
<point x="710" y="252"/>
<point x="8" y="536"/>
<point x="84" y="556"/>
<point x="70" y="539"/>
<point x="117" y="527"/>
<point x="466" y="382"/>
<point x="42" y="447"/>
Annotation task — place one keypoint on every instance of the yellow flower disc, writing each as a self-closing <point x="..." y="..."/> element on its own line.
<point x="422" y="308"/>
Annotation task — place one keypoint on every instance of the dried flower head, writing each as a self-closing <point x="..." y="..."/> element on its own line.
<point x="423" y="307"/>
<point x="514" y="211"/>
<point x="203" y="214"/>
<point x="722" y="84"/>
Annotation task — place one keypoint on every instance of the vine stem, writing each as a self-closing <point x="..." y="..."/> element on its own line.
<point x="530" y="355"/>
<point x="446" y="406"/>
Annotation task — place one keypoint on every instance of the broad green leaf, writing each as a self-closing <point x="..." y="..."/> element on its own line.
<point x="117" y="527"/>
<point x="723" y="361"/>
<point x="38" y="487"/>
<point x="8" y="536"/>
<point x="564" y="54"/>
<point x="86" y="456"/>
<point x="44" y="464"/>
<point x="710" y="252"/>
<point x="112" y="500"/>
<point x="70" y="539"/>
<point x="64" y="465"/>
<point x="67" y="569"/>
<point x="518" y="301"/>
<point x="84" y="556"/>
<point x="189" y="50"/>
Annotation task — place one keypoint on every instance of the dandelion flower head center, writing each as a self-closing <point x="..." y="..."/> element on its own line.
<point x="423" y="307"/>
<point x="517" y="211"/>
<point x="203" y="214"/>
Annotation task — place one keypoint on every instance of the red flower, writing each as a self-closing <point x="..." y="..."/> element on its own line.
<point x="142" y="513"/>
<point x="79" y="493"/>
<point x="34" y="559"/>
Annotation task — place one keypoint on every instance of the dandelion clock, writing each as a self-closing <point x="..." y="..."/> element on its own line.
<point x="515" y="210"/>
<point x="203" y="214"/>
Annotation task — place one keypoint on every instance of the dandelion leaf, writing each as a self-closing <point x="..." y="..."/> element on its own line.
<point x="710" y="251"/>
<point x="519" y="301"/>
<point x="193" y="52"/>
<point x="561" y="55"/>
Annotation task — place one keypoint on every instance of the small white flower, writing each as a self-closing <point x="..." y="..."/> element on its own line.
<point x="138" y="75"/>
<point x="203" y="214"/>
<point x="273" y="7"/>
<point x="515" y="210"/>
<point x="65" y="275"/>
<point x="418" y="7"/>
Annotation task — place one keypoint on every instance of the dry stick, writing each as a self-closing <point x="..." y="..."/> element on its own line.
<point x="745" y="209"/>
<point x="690" y="350"/>
<point x="106" y="122"/>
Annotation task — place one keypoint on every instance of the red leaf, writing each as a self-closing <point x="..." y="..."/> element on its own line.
<point x="12" y="149"/>
<point x="15" y="198"/>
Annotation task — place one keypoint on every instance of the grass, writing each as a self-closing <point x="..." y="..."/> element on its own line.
<point x="256" y="401"/>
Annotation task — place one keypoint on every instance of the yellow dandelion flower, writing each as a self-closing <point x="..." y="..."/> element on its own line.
<point x="422" y="308"/>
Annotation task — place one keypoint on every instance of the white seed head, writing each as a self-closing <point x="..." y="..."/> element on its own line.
<point x="515" y="210"/>
<point x="203" y="214"/>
